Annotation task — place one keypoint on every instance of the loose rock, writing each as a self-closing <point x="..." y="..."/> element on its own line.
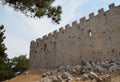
<point x="85" y="76"/>
<point x="46" y="79"/>
<point x="66" y="75"/>
<point x="57" y="79"/>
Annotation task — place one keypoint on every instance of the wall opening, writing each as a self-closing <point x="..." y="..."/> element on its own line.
<point x="104" y="14"/>
<point x="109" y="37"/>
<point x="37" y="44"/>
<point x="35" y="52"/>
<point x="79" y="38"/>
<point x="93" y="52"/>
<point x="90" y="33"/>
<point x="54" y="43"/>
<point x="45" y="47"/>
<point x="54" y="48"/>
<point x="82" y="29"/>
<point x="112" y="50"/>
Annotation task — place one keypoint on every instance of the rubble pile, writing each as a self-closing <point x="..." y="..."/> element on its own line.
<point x="89" y="70"/>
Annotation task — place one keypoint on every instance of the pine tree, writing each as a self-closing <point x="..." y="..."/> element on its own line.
<point x="2" y="45"/>
<point x="36" y="8"/>
<point x="5" y="68"/>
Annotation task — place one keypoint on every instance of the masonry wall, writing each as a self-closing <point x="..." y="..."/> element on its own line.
<point x="96" y="38"/>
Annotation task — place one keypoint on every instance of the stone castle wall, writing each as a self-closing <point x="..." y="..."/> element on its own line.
<point x="96" y="38"/>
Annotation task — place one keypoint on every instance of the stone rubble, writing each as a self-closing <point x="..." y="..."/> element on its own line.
<point x="57" y="79"/>
<point x="87" y="70"/>
<point x="67" y="76"/>
<point x="85" y="76"/>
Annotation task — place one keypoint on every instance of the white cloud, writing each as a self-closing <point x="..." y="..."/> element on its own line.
<point x="16" y="46"/>
<point x="69" y="9"/>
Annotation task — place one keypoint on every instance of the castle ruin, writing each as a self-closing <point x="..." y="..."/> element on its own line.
<point x="96" y="38"/>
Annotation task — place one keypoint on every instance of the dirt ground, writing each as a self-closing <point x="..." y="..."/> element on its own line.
<point x="35" y="76"/>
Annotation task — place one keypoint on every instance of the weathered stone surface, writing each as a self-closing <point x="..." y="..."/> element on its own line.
<point x="114" y="68"/>
<point x="68" y="68"/>
<point x="67" y="75"/>
<point x="99" y="68"/>
<point x="90" y="71"/>
<point x="74" y="71"/>
<point x="106" y="78"/>
<point x="94" y="75"/>
<point x="85" y="76"/>
<point x="103" y="64"/>
<point x="57" y="79"/>
<point x="95" y="39"/>
<point x="84" y="70"/>
<point x="48" y="73"/>
<point x="78" y="68"/>
<point x="61" y="69"/>
<point x="89" y="66"/>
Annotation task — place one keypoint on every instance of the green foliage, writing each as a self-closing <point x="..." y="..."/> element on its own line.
<point x="36" y="8"/>
<point x="5" y="68"/>
<point x="5" y="71"/>
<point x="5" y="74"/>
<point x="2" y="45"/>
<point x="8" y="67"/>
<point x="20" y="64"/>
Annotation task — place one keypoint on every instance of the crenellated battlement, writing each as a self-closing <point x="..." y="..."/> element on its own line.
<point x="91" y="15"/>
<point x="67" y="26"/>
<point x="74" y="23"/>
<point x="44" y="37"/>
<point x="32" y="43"/>
<point x="61" y="29"/>
<point x="39" y="39"/>
<point x="55" y="32"/>
<point x="82" y="20"/>
<point x="111" y="6"/>
<point x="50" y="34"/>
<point x="101" y="11"/>
<point x="94" y="38"/>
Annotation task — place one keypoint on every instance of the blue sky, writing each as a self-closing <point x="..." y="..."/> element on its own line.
<point x="20" y="30"/>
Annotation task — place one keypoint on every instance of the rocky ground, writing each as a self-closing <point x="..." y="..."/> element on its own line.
<point x="101" y="71"/>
